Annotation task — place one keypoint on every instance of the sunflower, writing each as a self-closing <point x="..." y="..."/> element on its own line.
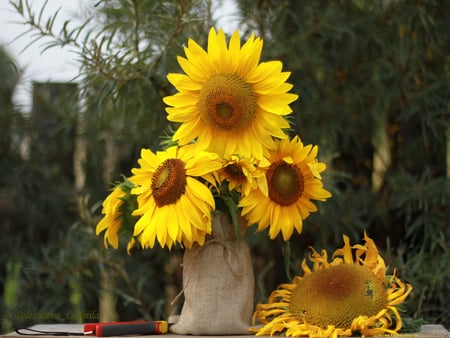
<point x="117" y="208"/>
<point x="243" y="174"/>
<point x="174" y="205"/>
<point x="227" y="101"/>
<point x="293" y="180"/>
<point x="111" y="222"/>
<point x="349" y="295"/>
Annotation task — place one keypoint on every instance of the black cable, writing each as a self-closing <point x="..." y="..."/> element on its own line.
<point x="46" y="333"/>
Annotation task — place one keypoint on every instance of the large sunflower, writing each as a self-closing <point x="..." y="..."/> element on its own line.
<point x="293" y="180"/>
<point x="227" y="101"/>
<point x="173" y="204"/>
<point x="349" y="295"/>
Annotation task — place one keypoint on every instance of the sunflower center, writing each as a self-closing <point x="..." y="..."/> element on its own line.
<point x="286" y="183"/>
<point x="169" y="182"/>
<point x="234" y="171"/>
<point x="227" y="103"/>
<point x="337" y="295"/>
<point x="224" y="111"/>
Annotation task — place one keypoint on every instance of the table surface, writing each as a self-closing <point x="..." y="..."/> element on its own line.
<point x="427" y="331"/>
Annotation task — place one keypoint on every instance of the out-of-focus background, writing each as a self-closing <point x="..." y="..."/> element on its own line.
<point x="81" y="88"/>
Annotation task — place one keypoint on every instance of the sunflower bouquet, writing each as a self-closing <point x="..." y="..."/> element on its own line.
<point x="231" y="151"/>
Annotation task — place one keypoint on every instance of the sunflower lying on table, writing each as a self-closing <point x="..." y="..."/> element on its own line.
<point x="349" y="295"/>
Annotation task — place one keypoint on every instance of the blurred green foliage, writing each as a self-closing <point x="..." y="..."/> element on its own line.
<point x="373" y="80"/>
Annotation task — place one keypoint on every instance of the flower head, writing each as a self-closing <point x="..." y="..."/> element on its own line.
<point x="243" y="174"/>
<point x="351" y="294"/>
<point x="293" y="180"/>
<point x="116" y="219"/>
<point x="174" y="206"/>
<point x="110" y="223"/>
<point x="227" y="100"/>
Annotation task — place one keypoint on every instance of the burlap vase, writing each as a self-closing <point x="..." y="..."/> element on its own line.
<point x="218" y="285"/>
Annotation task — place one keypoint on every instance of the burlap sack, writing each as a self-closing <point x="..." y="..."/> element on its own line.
<point x="218" y="285"/>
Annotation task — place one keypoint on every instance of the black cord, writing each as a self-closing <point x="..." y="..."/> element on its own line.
<point x="45" y="333"/>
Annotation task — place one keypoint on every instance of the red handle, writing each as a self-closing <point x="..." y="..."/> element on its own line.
<point x="125" y="328"/>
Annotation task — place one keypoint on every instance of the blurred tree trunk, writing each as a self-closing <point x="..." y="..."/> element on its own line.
<point x="382" y="154"/>
<point x="107" y="297"/>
